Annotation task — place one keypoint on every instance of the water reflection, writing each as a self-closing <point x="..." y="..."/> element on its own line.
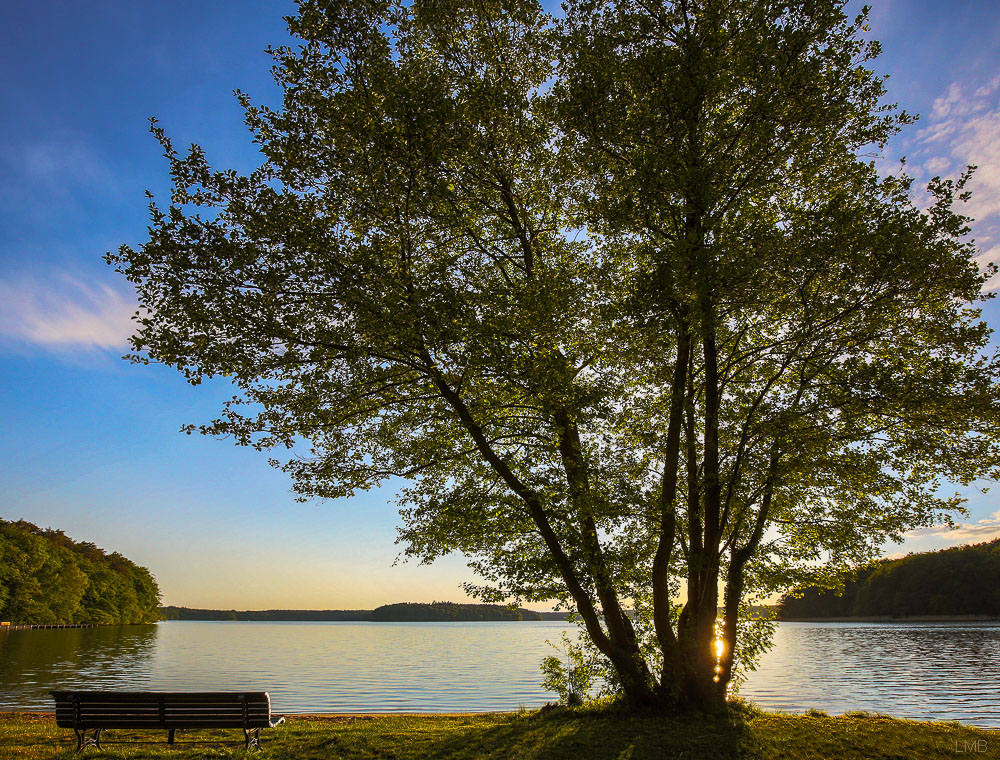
<point x="306" y="667"/>
<point x="928" y="671"/>
<point x="35" y="661"/>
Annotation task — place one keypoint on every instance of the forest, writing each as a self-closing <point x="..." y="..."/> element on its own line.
<point x="46" y="577"/>
<point x="449" y="611"/>
<point x="962" y="580"/>
<point x="401" y="612"/>
<point x="171" y="612"/>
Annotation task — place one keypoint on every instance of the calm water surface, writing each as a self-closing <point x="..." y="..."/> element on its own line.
<point x="944" y="671"/>
<point x="306" y="667"/>
<point x="927" y="671"/>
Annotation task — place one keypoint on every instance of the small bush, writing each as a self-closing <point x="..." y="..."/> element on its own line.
<point x="573" y="679"/>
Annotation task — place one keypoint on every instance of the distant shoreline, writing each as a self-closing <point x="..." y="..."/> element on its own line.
<point x="402" y="612"/>
<point x="358" y="620"/>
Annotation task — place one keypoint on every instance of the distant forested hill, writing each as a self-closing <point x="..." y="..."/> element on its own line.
<point x="449" y="611"/>
<point x="47" y="577"/>
<point x="191" y="613"/>
<point x="404" y="612"/>
<point x="964" y="580"/>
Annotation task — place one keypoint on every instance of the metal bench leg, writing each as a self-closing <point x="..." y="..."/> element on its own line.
<point x="170" y="735"/>
<point x="83" y="740"/>
<point x="252" y="738"/>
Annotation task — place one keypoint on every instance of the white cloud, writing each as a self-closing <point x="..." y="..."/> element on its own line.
<point x="937" y="165"/>
<point x="989" y="88"/>
<point x="946" y="104"/>
<point x="65" y="312"/>
<point x="967" y="533"/>
<point x="966" y="126"/>
<point x="937" y="132"/>
<point x="979" y="143"/>
<point x="963" y="128"/>
<point x="990" y="256"/>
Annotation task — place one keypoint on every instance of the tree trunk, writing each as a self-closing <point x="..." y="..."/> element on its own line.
<point x="668" y="520"/>
<point x="696" y="682"/>
<point x="697" y="635"/>
<point x="735" y="583"/>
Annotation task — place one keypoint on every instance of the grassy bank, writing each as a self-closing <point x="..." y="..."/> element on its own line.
<point x="552" y="735"/>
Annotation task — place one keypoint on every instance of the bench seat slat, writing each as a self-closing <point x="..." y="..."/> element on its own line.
<point x="167" y="716"/>
<point x="169" y="723"/>
<point x="125" y="711"/>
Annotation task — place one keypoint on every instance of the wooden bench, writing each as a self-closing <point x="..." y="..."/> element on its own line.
<point x="95" y="711"/>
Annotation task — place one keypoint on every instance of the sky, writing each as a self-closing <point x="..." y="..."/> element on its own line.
<point x="90" y="444"/>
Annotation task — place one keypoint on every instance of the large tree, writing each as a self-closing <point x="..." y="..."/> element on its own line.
<point x="615" y="295"/>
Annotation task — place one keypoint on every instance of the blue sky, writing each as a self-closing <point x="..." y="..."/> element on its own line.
<point x="90" y="444"/>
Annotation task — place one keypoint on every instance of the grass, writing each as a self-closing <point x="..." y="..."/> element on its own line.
<point x="583" y="734"/>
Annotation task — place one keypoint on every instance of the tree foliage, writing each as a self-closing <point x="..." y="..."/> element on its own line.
<point x="571" y="674"/>
<point x="614" y="294"/>
<point x="46" y="577"/>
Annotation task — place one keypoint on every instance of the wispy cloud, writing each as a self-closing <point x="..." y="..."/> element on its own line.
<point x="963" y="128"/>
<point x="56" y="165"/>
<point x="967" y="533"/>
<point x="966" y="125"/>
<point x="64" y="312"/>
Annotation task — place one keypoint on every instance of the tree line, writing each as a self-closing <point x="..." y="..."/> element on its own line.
<point x="449" y="612"/>
<point x="963" y="580"/>
<point x="405" y="611"/>
<point x="46" y="577"/>
<point x="192" y="613"/>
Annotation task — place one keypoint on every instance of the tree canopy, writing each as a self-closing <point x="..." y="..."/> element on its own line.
<point x="46" y="577"/>
<point x="614" y="293"/>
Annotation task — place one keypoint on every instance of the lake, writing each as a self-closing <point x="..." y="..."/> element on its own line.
<point x="944" y="671"/>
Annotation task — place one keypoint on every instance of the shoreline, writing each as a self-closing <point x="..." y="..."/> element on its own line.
<point x="344" y="717"/>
